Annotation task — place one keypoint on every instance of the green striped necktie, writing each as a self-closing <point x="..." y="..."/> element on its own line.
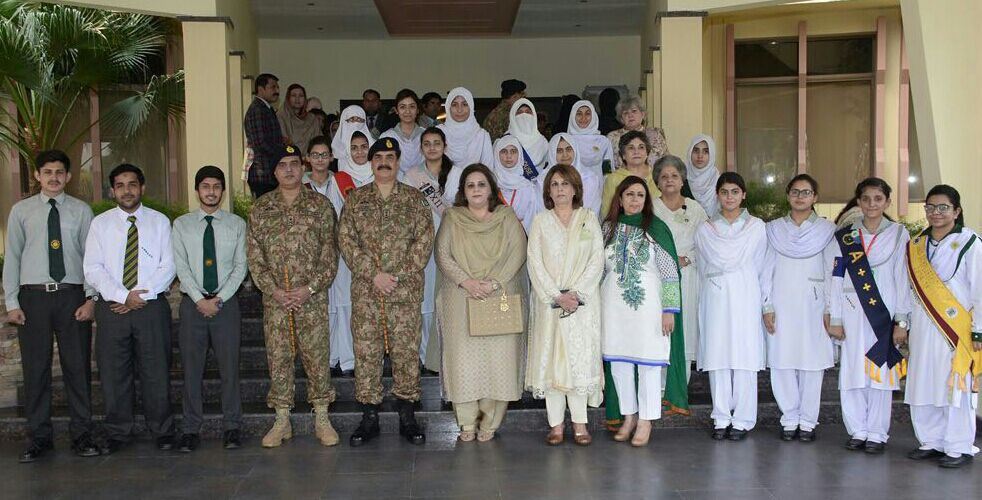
<point x="131" y="259"/>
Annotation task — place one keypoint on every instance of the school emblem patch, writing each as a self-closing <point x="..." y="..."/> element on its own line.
<point x="951" y="312"/>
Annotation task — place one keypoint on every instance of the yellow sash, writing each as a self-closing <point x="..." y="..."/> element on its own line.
<point x="953" y="321"/>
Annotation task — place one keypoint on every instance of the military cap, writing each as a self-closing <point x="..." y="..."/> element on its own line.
<point x="385" y="144"/>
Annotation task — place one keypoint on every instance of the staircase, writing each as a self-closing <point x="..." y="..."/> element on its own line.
<point x="434" y="414"/>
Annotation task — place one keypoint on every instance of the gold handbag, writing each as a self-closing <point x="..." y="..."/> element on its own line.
<point x="495" y="316"/>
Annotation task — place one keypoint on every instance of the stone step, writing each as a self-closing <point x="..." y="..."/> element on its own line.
<point x="434" y="417"/>
<point x="254" y="385"/>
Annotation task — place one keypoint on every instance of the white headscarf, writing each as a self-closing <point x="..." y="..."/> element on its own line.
<point x="702" y="181"/>
<point x="510" y="178"/>
<point x="526" y="128"/>
<point x="554" y="145"/>
<point x="361" y="174"/>
<point x="465" y="140"/>
<point x="592" y="129"/>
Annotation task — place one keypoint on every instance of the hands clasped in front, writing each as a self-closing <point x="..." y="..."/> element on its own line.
<point x="293" y="299"/>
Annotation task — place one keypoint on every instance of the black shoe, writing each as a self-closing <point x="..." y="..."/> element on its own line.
<point x="165" y="443"/>
<point x="720" y="434"/>
<point x="954" y="462"/>
<point x="919" y="454"/>
<point x="188" y="443"/>
<point x="787" y="435"/>
<point x="232" y="439"/>
<point x="855" y="444"/>
<point x="112" y="446"/>
<point x="875" y="448"/>
<point x="368" y="429"/>
<point x="84" y="446"/>
<point x="36" y="450"/>
<point x="737" y="435"/>
<point x="806" y="436"/>
<point x="408" y="427"/>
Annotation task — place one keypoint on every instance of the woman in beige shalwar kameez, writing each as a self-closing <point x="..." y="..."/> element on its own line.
<point x="565" y="262"/>
<point x="480" y="249"/>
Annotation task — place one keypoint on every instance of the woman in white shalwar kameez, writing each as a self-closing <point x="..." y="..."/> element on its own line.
<point x="565" y="262"/>
<point x="350" y="146"/>
<point x="943" y="401"/>
<point x="594" y="149"/>
<point x="563" y="149"/>
<point x="429" y="177"/>
<point x="641" y="297"/>
<point x="467" y="142"/>
<point x="519" y="193"/>
<point x="702" y="173"/>
<point x="731" y="247"/>
<point x="682" y="216"/>
<point x="865" y="390"/>
<point x="407" y="131"/>
<point x="523" y="125"/>
<point x="799" y="349"/>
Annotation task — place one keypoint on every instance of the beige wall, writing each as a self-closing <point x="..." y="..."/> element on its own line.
<point x="336" y="69"/>
<point x="243" y="35"/>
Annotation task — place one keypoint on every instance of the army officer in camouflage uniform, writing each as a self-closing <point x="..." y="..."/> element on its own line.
<point x="293" y="258"/>
<point x="386" y="236"/>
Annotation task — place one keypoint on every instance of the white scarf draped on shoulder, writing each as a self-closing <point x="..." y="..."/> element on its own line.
<point x="799" y="242"/>
<point x="702" y="181"/>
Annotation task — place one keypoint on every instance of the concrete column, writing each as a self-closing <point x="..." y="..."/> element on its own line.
<point x="947" y="102"/>
<point x="236" y="114"/>
<point x="206" y="91"/>
<point x="681" y="77"/>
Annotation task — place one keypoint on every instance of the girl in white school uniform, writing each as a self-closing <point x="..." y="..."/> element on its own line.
<point x="945" y="266"/>
<point x="731" y="247"/>
<point x="869" y="305"/>
<point x="799" y="349"/>
<point x="517" y="192"/>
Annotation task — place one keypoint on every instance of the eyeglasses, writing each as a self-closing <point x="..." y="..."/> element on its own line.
<point x="320" y="156"/>
<point x="801" y="193"/>
<point x="940" y="209"/>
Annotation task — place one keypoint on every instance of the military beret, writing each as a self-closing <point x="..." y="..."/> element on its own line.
<point x="384" y="144"/>
<point x="285" y="151"/>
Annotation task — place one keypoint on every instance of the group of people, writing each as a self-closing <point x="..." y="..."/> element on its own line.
<point x="584" y="270"/>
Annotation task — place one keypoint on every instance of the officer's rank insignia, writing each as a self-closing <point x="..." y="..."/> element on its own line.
<point x="290" y="149"/>
<point x="596" y="148"/>
<point x="55" y="244"/>
<point x="388" y="143"/>
<point x="209" y="263"/>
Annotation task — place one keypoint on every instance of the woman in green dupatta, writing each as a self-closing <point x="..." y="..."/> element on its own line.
<point x="636" y="268"/>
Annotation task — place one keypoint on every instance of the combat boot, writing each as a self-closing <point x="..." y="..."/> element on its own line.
<point x="322" y="427"/>
<point x="368" y="429"/>
<point x="280" y="431"/>
<point x="407" y="422"/>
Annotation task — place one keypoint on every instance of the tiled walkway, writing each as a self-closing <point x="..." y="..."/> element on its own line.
<point x="678" y="463"/>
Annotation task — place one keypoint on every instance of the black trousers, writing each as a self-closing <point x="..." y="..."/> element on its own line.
<point x="49" y="316"/>
<point x="223" y="333"/>
<point x="136" y="342"/>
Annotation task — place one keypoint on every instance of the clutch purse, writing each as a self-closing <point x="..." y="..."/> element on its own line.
<point x="495" y="315"/>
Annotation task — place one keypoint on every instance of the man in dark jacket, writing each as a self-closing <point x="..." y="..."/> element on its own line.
<point x="263" y="133"/>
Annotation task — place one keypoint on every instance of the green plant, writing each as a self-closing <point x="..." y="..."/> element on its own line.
<point x="52" y="56"/>
<point x="242" y="205"/>
<point x="767" y="201"/>
<point x="171" y="211"/>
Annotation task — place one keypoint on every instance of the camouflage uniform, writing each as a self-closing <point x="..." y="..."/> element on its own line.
<point x="395" y="236"/>
<point x="496" y="123"/>
<point x="297" y="241"/>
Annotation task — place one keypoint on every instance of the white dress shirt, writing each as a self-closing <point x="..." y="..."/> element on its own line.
<point x="106" y="245"/>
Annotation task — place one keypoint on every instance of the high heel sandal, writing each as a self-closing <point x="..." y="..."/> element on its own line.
<point x="624" y="433"/>
<point x="639" y="442"/>
<point x="555" y="438"/>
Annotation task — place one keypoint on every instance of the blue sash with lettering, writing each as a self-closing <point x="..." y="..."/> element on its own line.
<point x="528" y="167"/>
<point x="854" y="260"/>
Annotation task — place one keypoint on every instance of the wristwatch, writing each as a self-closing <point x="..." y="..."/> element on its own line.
<point x="93" y="298"/>
<point x="902" y="324"/>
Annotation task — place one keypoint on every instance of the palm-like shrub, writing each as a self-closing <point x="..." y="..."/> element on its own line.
<point x="52" y="56"/>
